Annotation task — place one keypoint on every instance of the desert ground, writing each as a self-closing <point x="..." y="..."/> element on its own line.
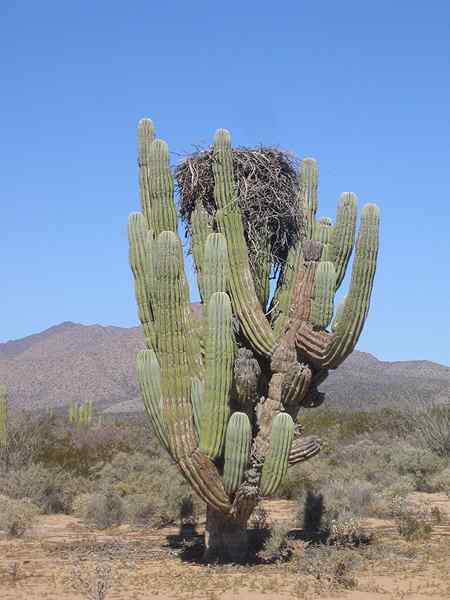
<point x="60" y="558"/>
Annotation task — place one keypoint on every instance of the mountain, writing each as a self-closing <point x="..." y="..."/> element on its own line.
<point x="78" y="362"/>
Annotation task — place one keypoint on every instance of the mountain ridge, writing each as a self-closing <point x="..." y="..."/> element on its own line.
<point x="74" y="362"/>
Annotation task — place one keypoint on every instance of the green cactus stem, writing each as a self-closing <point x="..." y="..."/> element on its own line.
<point x="215" y="263"/>
<point x="201" y="228"/>
<point x="242" y="288"/>
<point x="146" y="135"/>
<point x="219" y="375"/>
<point x="343" y="235"/>
<point x="276" y="463"/>
<point x="323" y="295"/>
<point x="149" y="377"/>
<point x="237" y="451"/>
<point x="328" y="351"/>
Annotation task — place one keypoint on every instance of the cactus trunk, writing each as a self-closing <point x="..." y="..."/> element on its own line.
<point x="226" y="538"/>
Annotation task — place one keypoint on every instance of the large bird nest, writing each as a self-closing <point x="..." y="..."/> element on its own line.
<point x="267" y="188"/>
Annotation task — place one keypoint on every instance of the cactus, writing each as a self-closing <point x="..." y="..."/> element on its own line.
<point x="237" y="451"/>
<point x="223" y="398"/>
<point x="80" y="414"/>
<point x="3" y="416"/>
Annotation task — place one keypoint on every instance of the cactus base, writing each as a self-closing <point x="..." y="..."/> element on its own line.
<point x="226" y="539"/>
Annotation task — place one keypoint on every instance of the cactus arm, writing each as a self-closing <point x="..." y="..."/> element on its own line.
<point x="343" y="235"/>
<point x="328" y="351"/>
<point x="164" y="214"/>
<point x="261" y="274"/>
<point x="142" y="268"/>
<point x="255" y="326"/>
<point x="295" y="387"/>
<point x="303" y="449"/>
<point x="283" y="295"/>
<point x="323" y="232"/>
<point x="173" y="345"/>
<point x="237" y="451"/>
<point x="219" y="374"/>
<point x="146" y="135"/>
<point x="308" y="181"/>
<point x="197" y="391"/>
<point x="201" y="228"/>
<point x="149" y="378"/>
<point x="276" y="462"/>
<point x="323" y="295"/>
<point x="215" y="275"/>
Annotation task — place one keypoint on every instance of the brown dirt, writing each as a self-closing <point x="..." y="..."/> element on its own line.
<point x="146" y="564"/>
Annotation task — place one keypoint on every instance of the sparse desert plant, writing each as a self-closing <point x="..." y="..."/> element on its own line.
<point x="430" y="424"/>
<point x="346" y="530"/>
<point x="16" y="516"/>
<point x="227" y="390"/>
<point x="414" y="522"/>
<point x="332" y="567"/>
<point x="51" y="489"/>
<point x="277" y="547"/>
<point x="440" y="482"/>
<point x="103" y="509"/>
<point x="93" y="582"/>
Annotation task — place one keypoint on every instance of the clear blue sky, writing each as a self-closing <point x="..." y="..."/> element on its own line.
<point x="362" y="86"/>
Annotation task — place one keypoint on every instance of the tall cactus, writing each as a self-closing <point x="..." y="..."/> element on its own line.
<point x="223" y="398"/>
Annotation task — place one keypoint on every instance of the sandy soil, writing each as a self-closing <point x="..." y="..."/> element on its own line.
<point x="60" y="554"/>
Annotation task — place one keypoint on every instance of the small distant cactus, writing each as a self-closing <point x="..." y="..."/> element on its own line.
<point x="3" y="416"/>
<point x="224" y="395"/>
<point x="80" y="414"/>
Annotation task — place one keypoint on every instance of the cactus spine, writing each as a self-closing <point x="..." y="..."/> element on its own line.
<point x="223" y="397"/>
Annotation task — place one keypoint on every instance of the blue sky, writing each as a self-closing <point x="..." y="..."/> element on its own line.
<point x="363" y="87"/>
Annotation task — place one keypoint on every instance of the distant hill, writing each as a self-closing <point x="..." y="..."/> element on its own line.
<point x="78" y="362"/>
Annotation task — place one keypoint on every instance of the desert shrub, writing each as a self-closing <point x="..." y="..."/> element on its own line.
<point x="420" y="463"/>
<point x="413" y="522"/>
<point x="80" y="449"/>
<point x="430" y="424"/>
<point x="413" y="527"/>
<point x="440" y="482"/>
<point x="277" y="546"/>
<point x="27" y="433"/>
<point x="331" y="566"/>
<point x="346" y="530"/>
<point x="103" y="509"/>
<point x="52" y="490"/>
<point x="16" y="516"/>
<point x="154" y="493"/>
